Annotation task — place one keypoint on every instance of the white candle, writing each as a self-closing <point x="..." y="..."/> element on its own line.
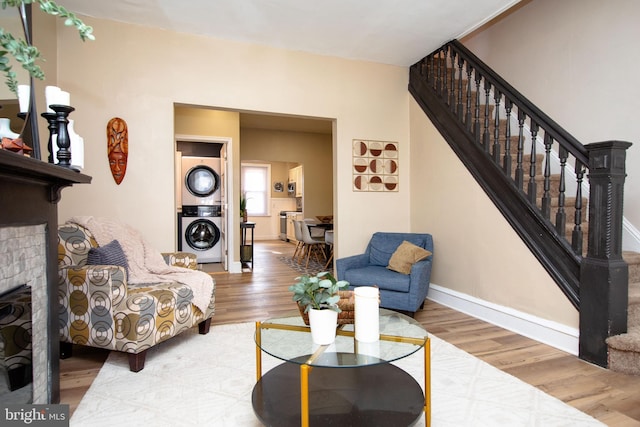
<point x="24" y="94"/>
<point x="77" y="147"/>
<point x="367" y="314"/>
<point x="51" y="94"/>
<point x="64" y="98"/>
<point x="369" y="351"/>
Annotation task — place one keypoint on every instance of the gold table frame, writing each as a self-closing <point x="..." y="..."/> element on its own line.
<point x="306" y="367"/>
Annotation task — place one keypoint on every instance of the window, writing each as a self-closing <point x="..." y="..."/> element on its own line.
<point x="255" y="184"/>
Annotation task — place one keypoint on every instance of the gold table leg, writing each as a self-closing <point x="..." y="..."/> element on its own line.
<point x="304" y="395"/>
<point x="258" y="351"/>
<point x="427" y="382"/>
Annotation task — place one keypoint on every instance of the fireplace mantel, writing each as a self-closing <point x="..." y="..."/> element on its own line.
<point x="29" y="192"/>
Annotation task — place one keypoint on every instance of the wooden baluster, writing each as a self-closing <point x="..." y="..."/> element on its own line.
<point x="476" y="123"/>
<point x="459" y="110"/>
<point x="546" y="195"/>
<point x="507" y="137"/>
<point x="576" y="237"/>
<point x="532" y="189"/>
<point x="445" y="66"/>
<point x="452" y="87"/>
<point x="485" y="136"/>
<point x="431" y="74"/>
<point x="467" y="118"/>
<point x="497" y="97"/>
<point x="519" y="178"/>
<point x="561" y="216"/>
<point x="439" y="74"/>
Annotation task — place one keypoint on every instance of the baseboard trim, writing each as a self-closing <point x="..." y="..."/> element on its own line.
<point x="546" y="331"/>
<point x="235" y="267"/>
<point x="630" y="236"/>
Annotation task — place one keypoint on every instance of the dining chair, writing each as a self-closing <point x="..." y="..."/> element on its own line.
<point x="299" y="250"/>
<point x="316" y="232"/>
<point x="328" y="240"/>
<point x="312" y="246"/>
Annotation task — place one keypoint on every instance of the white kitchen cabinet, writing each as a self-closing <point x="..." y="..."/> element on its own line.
<point x="291" y="234"/>
<point x="296" y="175"/>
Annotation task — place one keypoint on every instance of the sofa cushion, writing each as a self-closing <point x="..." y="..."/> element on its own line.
<point x="405" y="256"/>
<point x="383" y="245"/>
<point x="109" y="254"/>
<point x="383" y="278"/>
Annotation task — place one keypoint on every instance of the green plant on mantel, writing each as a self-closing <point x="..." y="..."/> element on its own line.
<point x="21" y="51"/>
<point x="319" y="291"/>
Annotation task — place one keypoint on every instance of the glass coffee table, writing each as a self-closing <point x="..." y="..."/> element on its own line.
<point x="344" y="383"/>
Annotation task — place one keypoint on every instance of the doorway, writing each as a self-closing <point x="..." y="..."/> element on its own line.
<point x="201" y="194"/>
<point x="273" y="132"/>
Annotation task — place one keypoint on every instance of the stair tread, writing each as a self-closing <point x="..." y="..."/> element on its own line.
<point x="629" y="341"/>
<point x="634" y="293"/>
<point x="631" y="257"/>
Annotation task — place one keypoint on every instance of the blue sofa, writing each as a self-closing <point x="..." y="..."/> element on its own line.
<point x="402" y="292"/>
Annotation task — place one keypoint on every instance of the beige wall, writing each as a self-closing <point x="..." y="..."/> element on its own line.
<point x="279" y="173"/>
<point x="139" y="73"/>
<point x="43" y="26"/>
<point x="476" y="252"/>
<point x="207" y="122"/>
<point x="312" y="150"/>
<point x="578" y="61"/>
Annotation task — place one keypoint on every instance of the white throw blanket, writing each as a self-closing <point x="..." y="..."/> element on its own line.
<point x="146" y="264"/>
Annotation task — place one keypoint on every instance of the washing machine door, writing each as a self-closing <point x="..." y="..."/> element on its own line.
<point x="202" y="235"/>
<point x="202" y="181"/>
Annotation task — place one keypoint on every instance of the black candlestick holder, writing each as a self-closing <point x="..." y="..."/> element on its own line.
<point x="53" y="130"/>
<point x="63" y="141"/>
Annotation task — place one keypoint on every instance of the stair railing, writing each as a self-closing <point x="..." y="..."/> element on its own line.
<point x="534" y="171"/>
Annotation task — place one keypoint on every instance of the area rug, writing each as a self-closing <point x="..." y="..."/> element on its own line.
<point x="314" y="266"/>
<point x="207" y="380"/>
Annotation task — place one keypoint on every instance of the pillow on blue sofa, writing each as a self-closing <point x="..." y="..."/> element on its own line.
<point x="109" y="254"/>
<point x="405" y="256"/>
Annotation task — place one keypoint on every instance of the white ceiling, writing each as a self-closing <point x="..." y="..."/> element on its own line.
<point x="396" y="32"/>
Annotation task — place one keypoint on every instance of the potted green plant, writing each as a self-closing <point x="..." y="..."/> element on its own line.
<point x="243" y="206"/>
<point x="318" y="296"/>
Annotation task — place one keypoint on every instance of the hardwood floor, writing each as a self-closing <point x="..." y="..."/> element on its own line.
<point x="610" y="397"/>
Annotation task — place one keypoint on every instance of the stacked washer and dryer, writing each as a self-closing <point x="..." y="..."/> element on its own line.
<point x="200" y="220"/>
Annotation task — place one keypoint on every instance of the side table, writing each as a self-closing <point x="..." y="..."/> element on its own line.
<point x="246" y="247"/>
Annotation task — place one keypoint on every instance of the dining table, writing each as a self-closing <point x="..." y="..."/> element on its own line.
<point x="325" y="226"/>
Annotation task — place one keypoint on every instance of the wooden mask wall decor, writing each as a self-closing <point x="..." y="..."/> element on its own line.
<point x="117" y="148"/>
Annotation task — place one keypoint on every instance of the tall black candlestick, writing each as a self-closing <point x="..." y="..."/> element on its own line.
<point x="53" y="130"/>
<point x="63" y="141"/>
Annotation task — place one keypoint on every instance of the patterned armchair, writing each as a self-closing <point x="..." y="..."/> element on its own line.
<point x="98" y="308"/>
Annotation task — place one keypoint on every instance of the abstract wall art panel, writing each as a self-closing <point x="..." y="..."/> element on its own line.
<point x="375" y="165"/>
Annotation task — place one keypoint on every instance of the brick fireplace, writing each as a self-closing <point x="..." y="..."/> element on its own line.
<point x="30" y="190"/>
<point x="25" y="264"/>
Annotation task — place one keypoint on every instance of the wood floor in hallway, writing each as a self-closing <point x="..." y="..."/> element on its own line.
<point x="611" y="397"/>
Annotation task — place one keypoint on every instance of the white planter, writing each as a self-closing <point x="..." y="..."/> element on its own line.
<point x="323" y="326"/>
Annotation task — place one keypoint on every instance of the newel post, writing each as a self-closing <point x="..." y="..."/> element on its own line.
<point x="604" y="276"/>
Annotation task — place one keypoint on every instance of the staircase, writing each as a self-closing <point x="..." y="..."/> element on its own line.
<point x="544" y="182"/>
<point x="624" y="349"/>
